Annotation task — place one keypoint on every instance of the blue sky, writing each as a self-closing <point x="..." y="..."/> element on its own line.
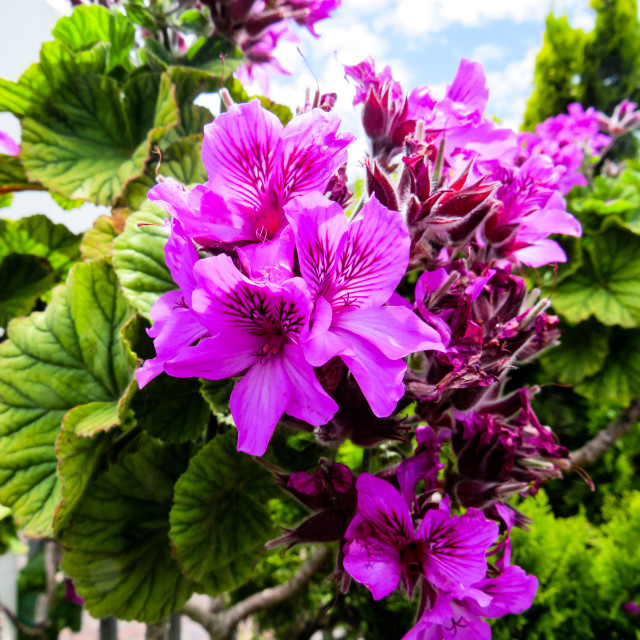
<point x="422" y="40"/>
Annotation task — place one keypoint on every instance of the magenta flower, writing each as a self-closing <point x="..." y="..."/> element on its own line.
<point x="255" y="328"/>
<point x="175" y="325"/>
<point x="7" y="145"/>
<point x="530" y="208"/>
<point x="458" y="617"/>
<point x="313" y="11"/>
<point x="352" y="269"/>
<point x="259" y="53"/>
<point x="383" y="548"/>
<point x="255" y="166"/>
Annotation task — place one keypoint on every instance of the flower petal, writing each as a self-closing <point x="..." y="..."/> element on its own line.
<point x="457" y="547"/>
<point x="174" y="328"/>
<point x="323" y="344"/>
<point x="396" y="331"/>
<point x="376" y="565"/>
<point x="238" y="152"/>
<point x="373" y="260"/>
<point x="217" y="357"/>
<point x="258" y="402"/>
<point x="308" y="400"/>
<point x="379" y="378"/>
<point x="309" y="152"/>
<point x="380" y="504"/>
<point x="226" y="298"/>
<point x="512" y="591"/>
<point x="320" y="227"/>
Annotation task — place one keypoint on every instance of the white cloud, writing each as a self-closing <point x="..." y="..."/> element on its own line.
<point x="487" y="52"/>
<point x="419" y="17"/>
<point x="509" y="89"/>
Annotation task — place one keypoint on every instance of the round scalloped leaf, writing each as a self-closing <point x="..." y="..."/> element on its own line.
<point x="218" y="516"/>
<point x="38" y="236"/>
<point x="69" y="355"/>
<point x="91" y="25"/>
<point x="618" y="381"/>
<point x="79" y="457"/>
<point x="23" y="279"/>
<point x="117" y="548"/>
<point x="97" y="242"/>
<point x="171" y="409"/>
<point x="138" y="258"/>
<point x="95" y="118"/>
<point x="182" y="160"/>
<point x="607" y="286"/>
<point x="582" y="352"/>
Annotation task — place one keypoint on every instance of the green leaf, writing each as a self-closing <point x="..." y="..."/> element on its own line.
<point x="140" y="15"/>
<point x="91" y="25"/>
<point x="182" y="160"/>
<point x="138" y="257"/>
<point x="608" y="284"/>
<point x="97" y="242"/>
<point x="157" y="55"/>
<point x="38" y="236"/>
<point x="66" y="203"/>
<point x="117" y="549"/>
<point x="582" y="352"/>
<point x="5" y="200"/>
<point x="79" y="457"/>
<point x="69" y="355"/>
<point x="217" y="394"/>
<point x="194" y="21"/>
<point x="190" y="83"/>
<point x="218" y="515"/>
<point x="13" y="178"/>
<point x="205" y="53"/>
<point x="23" y="279"/>
<point x="618" y="382"/>
<point x="94" y="120"/>
<point x="171" y="409"/>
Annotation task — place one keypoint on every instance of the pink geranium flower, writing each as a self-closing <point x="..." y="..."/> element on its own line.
<point x="352" y="270"/>
<point x="255" y="167"/>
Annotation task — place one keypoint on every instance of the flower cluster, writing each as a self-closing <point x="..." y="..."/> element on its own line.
<point x="291" y="283"/>
<point x="402" y="318"/>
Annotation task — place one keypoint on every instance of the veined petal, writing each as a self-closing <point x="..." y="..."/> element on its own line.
<point x="320" y="228"/>
<point x="216" y="357"/>
<point x="309" y="152"/>
<point x="271" y="260"/>
<point x="212" y="218"/>
<point x="227" y="299"/>
<point x="238" y="152"/>
<point x="469" y="87"/>
<point x="175" y="327"/>
<point x="373" y="260"/>
<point x="172" y="196"/>
<point x="541" y="253"/>
<point x="456" y="547"/>
<point x="380" y="504"/>
<point x="308" y="400"/>
<point x="181" y="255"/>
<point x="379" y="377"/>
<point x="323" y="344"/>
<point x="375" y="564"/>
<point x="396" y="331"/>
<point x="258" y="402"/>
<point x="512" y="591"/>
